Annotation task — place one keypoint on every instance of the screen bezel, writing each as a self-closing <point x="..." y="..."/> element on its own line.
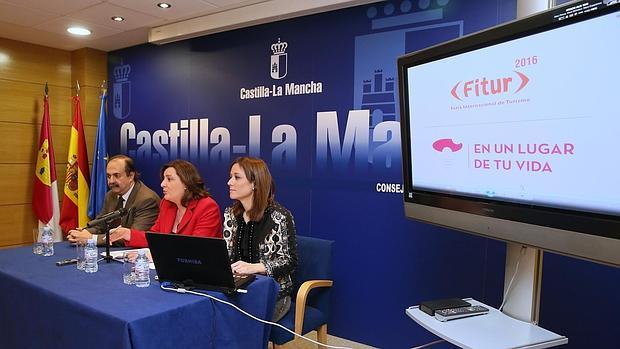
<point x="581" y="234"/>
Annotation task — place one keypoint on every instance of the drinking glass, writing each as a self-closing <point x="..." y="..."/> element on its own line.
<point x="80" y="246"/>
<point x="37" y="246"/>
<point x="128" y="270"/>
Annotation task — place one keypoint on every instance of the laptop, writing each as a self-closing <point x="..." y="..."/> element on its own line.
<point x="194" y="262"/>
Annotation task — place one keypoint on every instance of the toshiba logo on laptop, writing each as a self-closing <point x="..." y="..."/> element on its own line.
<point x="189" y="261"/>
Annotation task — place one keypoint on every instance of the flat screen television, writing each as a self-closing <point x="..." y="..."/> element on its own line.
<point x="514" y="132"/>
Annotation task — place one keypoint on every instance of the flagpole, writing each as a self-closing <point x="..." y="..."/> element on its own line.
<point x="98" y="180"/>
<point x="104" y="90"/>
<point x="74" y="211"/>
<point x="44" y="191"/>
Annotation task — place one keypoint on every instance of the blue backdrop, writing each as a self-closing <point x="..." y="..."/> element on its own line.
<point x="316" y="98"/>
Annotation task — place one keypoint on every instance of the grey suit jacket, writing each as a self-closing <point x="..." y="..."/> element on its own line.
<point x="143" y="206"/>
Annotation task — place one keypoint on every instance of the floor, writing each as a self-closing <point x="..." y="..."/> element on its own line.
<point x="300" y="343"/>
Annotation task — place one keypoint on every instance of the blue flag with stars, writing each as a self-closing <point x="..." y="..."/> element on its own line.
<point x="98" y="181"/>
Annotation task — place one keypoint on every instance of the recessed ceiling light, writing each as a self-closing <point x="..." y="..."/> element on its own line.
<point x="78" y="31"/>
<point x="117" y="18"/>
<point x="4" y="58"/>
<point x="164" y="5"/>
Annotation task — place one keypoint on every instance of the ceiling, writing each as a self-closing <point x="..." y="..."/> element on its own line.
<point x="44" y="22"/>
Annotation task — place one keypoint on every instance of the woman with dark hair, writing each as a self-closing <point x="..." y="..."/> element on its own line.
<point x="187" y="208"/>
<point x="259" y="232"/>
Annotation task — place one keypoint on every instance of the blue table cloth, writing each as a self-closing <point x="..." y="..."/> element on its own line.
<point x="46" y="306"/>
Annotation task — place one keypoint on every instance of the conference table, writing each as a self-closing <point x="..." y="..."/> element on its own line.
<point x="47" y="306"/>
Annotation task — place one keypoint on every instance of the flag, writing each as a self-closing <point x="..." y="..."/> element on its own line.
<point x="98" y="182"/>
<point x="45" y="188"/>
<point x="74" y="212"/>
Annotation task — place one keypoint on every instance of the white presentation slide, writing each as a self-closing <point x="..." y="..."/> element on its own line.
<point x="535" y="120"/>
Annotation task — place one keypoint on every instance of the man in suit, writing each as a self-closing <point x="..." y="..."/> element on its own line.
<point x="127" y="191"/>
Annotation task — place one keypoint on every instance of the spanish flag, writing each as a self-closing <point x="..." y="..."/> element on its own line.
<point x="45" y="188"/>
<point x="74" y="212"/>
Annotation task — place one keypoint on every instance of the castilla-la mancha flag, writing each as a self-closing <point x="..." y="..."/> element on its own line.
<point x="45" y="187"/>
<point x="74" y="211"/>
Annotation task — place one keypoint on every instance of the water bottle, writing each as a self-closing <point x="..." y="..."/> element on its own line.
<point x="47" y="242"/>
<point x="90" y="257"/>
<point x="142" y="277"/>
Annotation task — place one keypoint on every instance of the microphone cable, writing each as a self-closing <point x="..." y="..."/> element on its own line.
<point x="164" y="287"/>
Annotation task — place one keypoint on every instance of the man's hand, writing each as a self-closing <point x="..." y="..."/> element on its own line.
<point x="120" y="233"/>
<point x="132" y="255"/>
<point x="76" y="235"/>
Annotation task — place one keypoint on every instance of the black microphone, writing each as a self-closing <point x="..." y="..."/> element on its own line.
<point x="107" y="217"/>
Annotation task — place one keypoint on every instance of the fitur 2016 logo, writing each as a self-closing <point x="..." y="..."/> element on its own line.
<point x="278" y="60"/>
<point x="482" y="87"/>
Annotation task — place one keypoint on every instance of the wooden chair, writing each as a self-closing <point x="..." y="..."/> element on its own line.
<point x="310" y="303"/>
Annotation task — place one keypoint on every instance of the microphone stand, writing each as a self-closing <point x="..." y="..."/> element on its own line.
<point x="107" y="257"/>
<point x="106" y="219"/>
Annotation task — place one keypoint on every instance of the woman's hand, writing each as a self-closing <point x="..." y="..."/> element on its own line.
<point x="244" y="268"/>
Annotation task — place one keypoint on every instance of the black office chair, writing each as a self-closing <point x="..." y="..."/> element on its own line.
<point x="313" y="281"/>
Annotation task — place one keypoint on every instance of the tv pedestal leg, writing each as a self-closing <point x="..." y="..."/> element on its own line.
<point x="523" y="298"/>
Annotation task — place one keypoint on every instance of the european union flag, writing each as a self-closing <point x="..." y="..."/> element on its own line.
<point x="98" y="181"/>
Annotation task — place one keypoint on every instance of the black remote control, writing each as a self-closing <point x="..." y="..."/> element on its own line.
<point x="66" y="262"/>
<point x="461" y="312"/>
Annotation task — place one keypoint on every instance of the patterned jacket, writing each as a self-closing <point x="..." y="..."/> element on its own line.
<point x="274" y="235"/>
